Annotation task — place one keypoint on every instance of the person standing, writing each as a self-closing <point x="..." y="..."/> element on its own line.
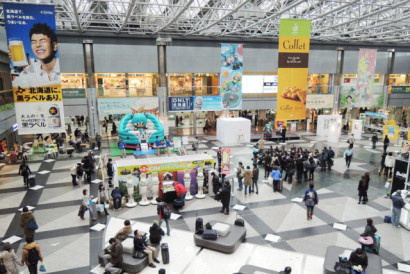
<point x="299" y="170"/>
<point x="177" y="120"/>
<point x="248" y="179"/>
<point x="141" y="246"/>
<point x="215" y="183"/>
<point x="155" y="233"/>
<point x="73" y="172"/>
<point x="369" y="231"/>
<point x="255" y="177"/>
<point x="163" y="217"/>
<point x="367" y="178"/>
<point x="106" y="124"/>
<point x="350" y="140"/>
<point x="398" y="204"/>
<point x="268" y="164"/>
<point x="110" y="172"/>
<point x="122" y="147"/>
<point x="374" y="140"/>
<point x="348" y="155"/>
<point x="98" y="140"/>
<point x="362" y="189"/>
<point x="25" y="217"/>
<point x="261" y="145"/>
<point x="311" y="199"/>
<point x="239" y="174"/>
<point x="290" y="169"/>
<point x="195" y="145"/>
<point x="284" y="134"/>
<point x="114" y="258"/>
<point x="225" y="197"/>
<point x="85" y="204"/>
<point x="31" y="260"/>
<point x="313" y="165"/>
<point x="9" y="258"/>
<point x="386" y="143"/>
<point x="25" y="171"/>
<point x="276" y="175"/>
<point x="389" y="164"/>
<point x="103" y="198"/>
<point x="168" y="146"/>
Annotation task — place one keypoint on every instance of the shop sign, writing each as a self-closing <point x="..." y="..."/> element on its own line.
<point x="195" y="103"/>
<point x="375" y="114"/>
<point x="107" y="106"/>
<point x="15" y="127"/>
<point x="73" y="93"/>
<point x="38" y="99"/>
<point x="400" y="175"/>
<point x="319" y="101"/>
<point x="400" y="89"/>
<point x="350" y="76"/>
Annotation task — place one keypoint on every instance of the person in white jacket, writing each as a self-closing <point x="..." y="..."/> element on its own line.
<point x="389" y="164"/>
<point x="73" y="172"/>
<point x="10" y="259"/>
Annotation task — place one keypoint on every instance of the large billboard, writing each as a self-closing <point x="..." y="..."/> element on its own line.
<point x="294" y="45"/>
<point x="365" y="77"/>
<point x="35" y="67"/>
<point x="231" y="75"/>
<point x="195" y="103"/>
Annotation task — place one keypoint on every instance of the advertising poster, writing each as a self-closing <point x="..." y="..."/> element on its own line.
<point x="177" y="140"/>
<point x="294" y="45"/>
<point x="391" y="130"/>
<point x="107" y="106"/>
<point x="365" y="77"/>
<point x="195" y="103"/>
<point x="226" y="160"/>
<point x="35" y="68"/>
<point x="319" y="101"/>
<point x="231" y="75"/>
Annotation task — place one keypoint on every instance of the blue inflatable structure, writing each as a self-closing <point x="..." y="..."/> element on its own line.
<point x="135" y="128"/>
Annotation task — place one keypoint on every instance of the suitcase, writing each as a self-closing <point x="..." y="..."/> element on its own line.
<point x="178" y="204"/>
<point x="199" y="226"/>
<point x="210" y="234"/>
<point x="32" y="181"/>
<point x="280" y="185"/>
<point x="378" y="244"/>
<point x="13" y="156"/>
<point x="165" y="253"/>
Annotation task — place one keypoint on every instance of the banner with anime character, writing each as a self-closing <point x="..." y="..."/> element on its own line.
<point x="231" y="75"/>
<point x="365" y="77"/>
<point x="35" y="67"/>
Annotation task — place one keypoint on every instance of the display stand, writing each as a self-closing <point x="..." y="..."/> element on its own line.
<point x="155" y="183"/>
<point x="200" y="180"/>
<point x="187" y="183"/>
<point x="130" y="190"/>
<point x="401" y="180"/>
<point x="143" y="186"/>
<point x="329" y="125"/>
<point x="357" y="128"/>
<point x="233" y="130"/>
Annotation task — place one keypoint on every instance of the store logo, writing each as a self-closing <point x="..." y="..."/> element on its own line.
<point x="144" y="169"/>
<point x="400" y="174"/>
<point x="295" y="29"/>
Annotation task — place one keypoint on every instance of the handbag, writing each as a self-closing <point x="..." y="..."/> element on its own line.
<point x="136" y="254"/>
<point x="43" y="267"/>
<point x="99" y="207"/>
<point x="3" y="269"/>
<point x="270" y="180"/>
<point x="32" y="225"/>
<point x="367" y="240"/>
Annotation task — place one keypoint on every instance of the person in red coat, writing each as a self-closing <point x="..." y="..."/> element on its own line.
<point x="180" y="190"/>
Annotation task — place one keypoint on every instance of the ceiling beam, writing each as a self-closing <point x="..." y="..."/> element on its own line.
<point x="175" y="17"/>
<point x="127" y="17"/>
<point x="77" y="19"/>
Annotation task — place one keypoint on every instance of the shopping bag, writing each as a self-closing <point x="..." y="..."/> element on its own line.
<point x="43" y="267"/>
<point x="99" y="207"/>
<point x="270" y="180"/>
<point x="366" y="240"/>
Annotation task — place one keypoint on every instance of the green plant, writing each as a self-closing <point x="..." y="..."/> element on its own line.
<point x="123" y="189"/>
<point x="137" y="196"/>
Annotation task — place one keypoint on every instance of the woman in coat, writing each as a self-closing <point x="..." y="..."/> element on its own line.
<point x="103" y="198"/>
<point x="367" y="177"/>
<point x="247" y="179"/>
<point x="10" y="259"/>
<point x="369" y="231"/>
<point x="362" y="189"/>
<point x="25" y="218"/>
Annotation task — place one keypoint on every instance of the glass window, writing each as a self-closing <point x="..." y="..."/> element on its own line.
<point x="142" y="84"/>
<point x="111" y="84"/>
<point x="73" y="80"/>
<point x="319" y="83"/>
<point x="206" y="83"/>
<point x="180" y="84"/>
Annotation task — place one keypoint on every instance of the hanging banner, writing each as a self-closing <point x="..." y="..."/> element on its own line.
<point x="35" y="67"/>
<point x="110" y="106"/>
<point x="195" y="103"/>
<point x="294" y="45"/>
<point x="226" y="160"/>
<point x="231" y="75"/>
<point x="365" y="78"/>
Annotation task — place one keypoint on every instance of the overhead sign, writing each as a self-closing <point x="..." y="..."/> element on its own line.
<point x="375" y="114"/>
<point x="73" y="93"/>
<point x="195" y="103"/>
<point x="400" y="89"/>
<point x="319" y="101"/>
<point x="35" y="67"/>
<point x="107" y="106"/>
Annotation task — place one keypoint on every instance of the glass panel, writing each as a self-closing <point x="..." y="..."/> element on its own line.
<point x="141" y="84"/>
<point x="111" y="85"/>
<point x="206" y="83"/>
<point x="181" y="84"/>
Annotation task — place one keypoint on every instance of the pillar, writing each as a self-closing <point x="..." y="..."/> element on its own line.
<point x="162" y="71"/>
<point x="92" y="108"/>
<point x="338" y="79"/>
<point x="390" y="66"/>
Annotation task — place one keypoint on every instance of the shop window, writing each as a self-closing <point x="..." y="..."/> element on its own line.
<point x="111" y="85"/>
<point x="180" y="84"/>
<point x="142" y="84"/>
<point x="206" y="83"/>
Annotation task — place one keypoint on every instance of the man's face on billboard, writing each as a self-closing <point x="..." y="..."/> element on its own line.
<point x="42" y="46"/>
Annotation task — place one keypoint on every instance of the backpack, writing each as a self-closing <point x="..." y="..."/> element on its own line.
<point x="312" y="163"/>
<point x="80" y="171"/>
<point x="199" y="226"/>
<point x="33" y="257"/>
<point x="310" y="200"/>
<point x="166" y="211"/>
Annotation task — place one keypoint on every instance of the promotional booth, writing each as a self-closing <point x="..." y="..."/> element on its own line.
<point x="330" y="126"/>
<point x="357" y="128"/>
<point x="233" y="130"/>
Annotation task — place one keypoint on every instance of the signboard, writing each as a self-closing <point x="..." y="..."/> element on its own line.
<point x="226" y="160"/>
<point x="375" y="114"/>
<point x="177" y="140"/>
<point x="195" y="103"/>
<point x="363" y="96"/>
<point x="294" y="45"/>
<point x="35" y="67"/>
<point x="391" y="129"/>
<point x="107" y="106"/>
<point x="400" y="89"/>
<point x="400" y="175"/>
<point x="73" y="93"/>
<point x="319" y="101"/>
<point x="231" y="75"/>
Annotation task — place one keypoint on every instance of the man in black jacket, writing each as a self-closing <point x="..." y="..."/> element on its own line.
<point x="110" y="172"/>
<point x="155" y="233"/>
<point x="141" y="246"/>
<point x="358" y="261"/>
<point x="225" y="197"/>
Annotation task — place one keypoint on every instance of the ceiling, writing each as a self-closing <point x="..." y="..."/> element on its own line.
<point x="339" y="21"/>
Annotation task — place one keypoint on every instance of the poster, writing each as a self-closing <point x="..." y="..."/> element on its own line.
<point x="107" y="106"/>
<point x="177" y="140"/>
<point x="35" y="68"/>
<point x="195" y="103"/>
<point x="294" y="45"/>
<point x="226" y="160"/>
<point x="365" y="78"/>
<point x="391" y="130"/>
<point x="231" y="75"/>
<point x="319" y="101"/>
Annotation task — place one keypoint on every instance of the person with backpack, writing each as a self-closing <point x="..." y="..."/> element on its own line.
<point x="164" y="213"/>
<point x="311" y="199"/>
<point x="25" y="171"/>
<point x="225" y="197"/>
<point x="31" y="255"/>
<point x="110" y="172"/>
<point x="25" y="218"/>
<point x="9" y="259"/>
<point x="374" y="140"/>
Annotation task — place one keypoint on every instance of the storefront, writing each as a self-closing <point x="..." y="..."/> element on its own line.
<point x="111" y="84"/>
<point x="397" y="80"/>
<point x="142" y="84"/>
<point x="73" y="85"/>
<point x="320" y="83"/>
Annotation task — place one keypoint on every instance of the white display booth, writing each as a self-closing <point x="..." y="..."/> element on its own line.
<point x="330" y="126"/>
<point x="357" y="128"/>
<point x="233" y="130"/>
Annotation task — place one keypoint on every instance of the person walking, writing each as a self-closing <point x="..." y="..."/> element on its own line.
<point x="98" y="139"/>
<point x="276" y="175"/>
<point x="386" y="143"/>
<point x="195" y="145"/>
<point x="311" y="200"/>
<point x="9" y="259"/>
<point x="350" y="140"/>
<point x="31" y="255"/>
<point x="382" y="163"/>
<point x="25" y="171"/>
<point x="398" y="204"/>
<point x="85" y="204"/>
<point x="367" y="180"/>
<point x="113" y="258"/>
<point x="239" y="174"/>
<point x="110" y="172"/>
<point x="25" y="218"/>
<point x="161" y="206"/>
<point x="103" y="198"/>
<point x="225" y="197"/>
<point x="348" y="155"/>
<point x="389" y="164"/>
<point x="117" y="197"/>
<point x="255" y="177"/>
<point x="374" y="140"/>
<point x="247" y="179"/>
<point x="369" y="231"/>
<point x="362" y="189"/>
<point x="122" y="148"/>
<point x="141" y="246"/>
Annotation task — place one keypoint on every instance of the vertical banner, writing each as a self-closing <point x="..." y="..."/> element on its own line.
<point x="231" y="75"/>
<point x="226" y="160"/>
<point x="294" y="45"/>
<point x="35" y="67"/>
<point x="365" y="78"/>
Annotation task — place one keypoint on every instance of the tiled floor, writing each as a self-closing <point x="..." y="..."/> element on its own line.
<point x="69" y="246"/>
